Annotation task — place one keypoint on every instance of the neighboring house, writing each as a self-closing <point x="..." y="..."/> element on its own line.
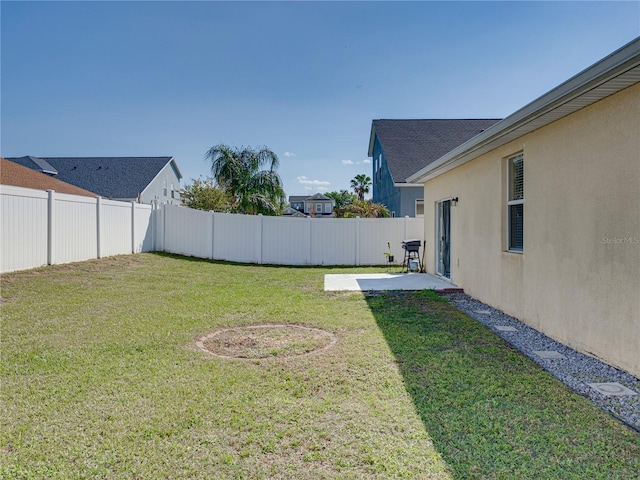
<point x="539" y="215"/>
<point x="400" y="148"/>
<point x="140" y="179"/>
<point x="292" y="212"/>
<point x="317" y="205"/>
<point x="16" y="175"/>
<point x="297" y="202"/>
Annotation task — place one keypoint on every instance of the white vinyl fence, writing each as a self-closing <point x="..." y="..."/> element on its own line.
<point x="44" y="228"/>
<point x="282" y="240"/>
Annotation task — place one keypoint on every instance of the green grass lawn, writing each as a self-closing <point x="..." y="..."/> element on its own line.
<point x="102" y="378"/>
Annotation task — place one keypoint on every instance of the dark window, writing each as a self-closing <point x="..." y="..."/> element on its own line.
<point x="515" y="203"/>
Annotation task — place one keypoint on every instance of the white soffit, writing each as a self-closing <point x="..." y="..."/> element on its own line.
<point x="404" y="185"/>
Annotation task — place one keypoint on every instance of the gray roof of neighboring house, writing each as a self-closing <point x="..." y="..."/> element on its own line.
<point x="12" y="173"/>
<point x="319" y="196"/>
<point x="35" y="163"/>
<point x="410" y="145"/>
<point x="111" y="177"/>
<point x="302" y="198"/>
<point x="292" y="212"/>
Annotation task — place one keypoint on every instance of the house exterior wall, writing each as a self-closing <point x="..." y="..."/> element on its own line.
<point x="400" y="201"/>
<point x="310" y="206"/>
<point x="156" y="188"/>
<point x="408" y="196"/>
<point x="382" y="182"/>
<point x="579" y="275"/>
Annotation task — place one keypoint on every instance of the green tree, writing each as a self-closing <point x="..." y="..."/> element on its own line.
<point x="249" y="177"/>
<point x="342" y="198"/>
<point x="360" y="185"/>
<point x="363" y="209"/>
<point x="204" y="194"/>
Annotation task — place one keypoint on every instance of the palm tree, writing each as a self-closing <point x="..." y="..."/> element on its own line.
<point x="239" y="172"/>
<point x="363" y="209"/>
<point x="341" y="198"/>
<point x="360" y="185"/>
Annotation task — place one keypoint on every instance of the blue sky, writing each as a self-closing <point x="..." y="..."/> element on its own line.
<point x="303" y="78"/>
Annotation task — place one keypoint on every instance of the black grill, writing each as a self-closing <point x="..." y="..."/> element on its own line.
<point x="411" y="245"/>
<point x="411" y="252"/>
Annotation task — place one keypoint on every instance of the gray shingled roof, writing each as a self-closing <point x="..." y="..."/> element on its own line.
<point x="319" y="196"/>
<point x="111" y="177"/>
<point x="20" y="176"/>
<point x="302" y="198"/>
<point x="410" y="145"/>
<point x="293" y="213"/>
<point x="38" y="164"/>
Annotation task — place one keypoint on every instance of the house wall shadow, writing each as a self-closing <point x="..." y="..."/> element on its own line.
<point x="485" y="405"/>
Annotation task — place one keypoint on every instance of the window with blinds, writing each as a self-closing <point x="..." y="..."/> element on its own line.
<point x="515" y="203"/>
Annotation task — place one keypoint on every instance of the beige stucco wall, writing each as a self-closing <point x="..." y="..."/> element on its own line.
<point x="578" y="279"/>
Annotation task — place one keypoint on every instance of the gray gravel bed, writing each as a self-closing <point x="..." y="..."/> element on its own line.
<point x="576" y="370"/>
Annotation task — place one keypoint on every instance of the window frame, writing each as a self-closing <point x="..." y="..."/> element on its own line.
<point x="513" y="203"/>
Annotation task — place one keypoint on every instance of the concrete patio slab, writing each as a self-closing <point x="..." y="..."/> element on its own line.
<point x="385" y="281"/>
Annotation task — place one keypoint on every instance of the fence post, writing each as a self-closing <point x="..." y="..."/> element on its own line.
<point x="261" y="237"/>
<point x="309" y="221"/>
<point x="154" y="226"/>
<point x="213" y="232"/>
<point x="98" y="227"/>
<point x="133" y="227"/>
<point x="50" y="226"/>
<point x="357" y="224"/>
<point x="163" y="210"/>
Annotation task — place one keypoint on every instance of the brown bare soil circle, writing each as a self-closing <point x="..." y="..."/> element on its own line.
<point x="254" y="342"/>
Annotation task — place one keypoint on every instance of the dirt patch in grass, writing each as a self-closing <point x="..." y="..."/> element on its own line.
<point x="265" y="341"/>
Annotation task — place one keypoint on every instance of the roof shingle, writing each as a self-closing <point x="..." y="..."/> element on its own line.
<point x="20" y="176"/>
<point x="111" y="177"/>
<point x="410" y="145"/>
